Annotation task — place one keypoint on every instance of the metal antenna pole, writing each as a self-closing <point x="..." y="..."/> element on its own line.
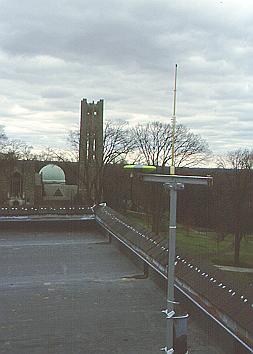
<point x="171" y="264"/>
<point x="170" y="312"/>
<point x="173" y="183"/>
<point x="173" y="126"/>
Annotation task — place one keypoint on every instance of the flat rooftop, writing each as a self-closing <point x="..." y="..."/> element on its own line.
<point x="69" y="291"/>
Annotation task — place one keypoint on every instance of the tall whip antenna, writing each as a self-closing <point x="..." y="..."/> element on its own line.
<point x="173" y="126"/>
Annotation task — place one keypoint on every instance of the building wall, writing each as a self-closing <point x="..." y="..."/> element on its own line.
<point x="32" y="186"/>
<point x="4" y="181"/>
<point x="66" y="192"/>
<point x="28" y="172"/>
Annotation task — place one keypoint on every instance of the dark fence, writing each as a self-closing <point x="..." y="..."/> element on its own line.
<point x="22" y="211"/>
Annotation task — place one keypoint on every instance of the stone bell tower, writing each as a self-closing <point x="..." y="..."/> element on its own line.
<point x="90" y="151"/>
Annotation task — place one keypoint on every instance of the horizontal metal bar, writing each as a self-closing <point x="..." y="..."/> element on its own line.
<point x="157" y="178"/>
<point x="53" y="217"/>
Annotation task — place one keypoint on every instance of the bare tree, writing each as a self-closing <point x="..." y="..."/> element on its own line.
<point x="3" y="140"/>
<point x="50" y="154"/>
<point x="14" y="149"/>
<point x="3" y="136"/>
<point x="18" y="150"/>
<point x="117" y="144"/>
<point x="154" y="144"/>
<point x="239" y="166"/>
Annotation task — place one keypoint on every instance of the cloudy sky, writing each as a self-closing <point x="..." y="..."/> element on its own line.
<point x="54" y="53"/>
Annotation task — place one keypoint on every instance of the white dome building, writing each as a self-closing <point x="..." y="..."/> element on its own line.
<point x="52" y="174"/>
<point x="54" y="184"/>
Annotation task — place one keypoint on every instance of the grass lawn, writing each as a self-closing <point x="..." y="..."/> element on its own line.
<point x="203" y="245"/>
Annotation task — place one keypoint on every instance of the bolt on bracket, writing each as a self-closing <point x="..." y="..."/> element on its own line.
<point x="167" y="351"/>
<point x="168" y="314"/>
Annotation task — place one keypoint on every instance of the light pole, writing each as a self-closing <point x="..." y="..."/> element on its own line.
<point x="131" y="188"/>
<point x="137" y="169"/>
<point x="173" y="183"/>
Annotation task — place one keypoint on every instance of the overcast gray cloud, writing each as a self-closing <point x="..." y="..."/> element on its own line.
<point x="53" y="53"/>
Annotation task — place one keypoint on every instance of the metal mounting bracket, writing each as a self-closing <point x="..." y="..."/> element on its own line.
<point x="167" y="351"/>
<point x="168" y="314"/>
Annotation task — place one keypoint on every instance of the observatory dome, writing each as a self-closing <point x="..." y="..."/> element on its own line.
<point x="52" y="174"/>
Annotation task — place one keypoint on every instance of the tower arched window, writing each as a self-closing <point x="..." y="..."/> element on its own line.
<point x="16" y="185"/>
